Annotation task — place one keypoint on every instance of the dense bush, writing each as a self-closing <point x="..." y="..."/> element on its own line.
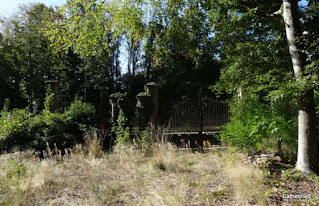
<point x="19" y="129"/>
<point x="247" y="123"/>
<point x="11" y="121"/>
<point x="82" y="113"/>
<point x="257" y="125"/>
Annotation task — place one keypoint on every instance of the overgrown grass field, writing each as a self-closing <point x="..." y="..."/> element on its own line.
<point x="127" y="176"/>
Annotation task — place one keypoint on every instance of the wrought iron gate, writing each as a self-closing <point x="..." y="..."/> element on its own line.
<point x="199" y="115"/>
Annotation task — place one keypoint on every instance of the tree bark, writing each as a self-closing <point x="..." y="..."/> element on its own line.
<point x="307" y="160"/>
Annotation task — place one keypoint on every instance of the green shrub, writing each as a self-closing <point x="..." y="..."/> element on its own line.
<point x="81" y="112"/>
<point x="49" y="100"/>
<point x="11" y="121"/>
<point x="46" y="127"/>
<point x="25" y="131"/>
<point x="121" y="132"/>
<point x="145" y="141"/>
<point x="247" y="123"/>
<point x="256" y="125"/>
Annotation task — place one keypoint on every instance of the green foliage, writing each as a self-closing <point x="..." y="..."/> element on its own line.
<point x="11" y="121"/>
<point x="180" y="47"/>
<point x="254" y="52"/>
<point x="293" y="175"/>
<point x="28" y="58"/>
<point x="259" y="60"/>
<point x="84" y="29"/>
<point x="83" y="35"/>
<point x="27" y="54"/>
<point x="45" y="127"/>
<point x="256" y="125"/>
<point x="81" y="112"/>
<point x="21" y="130"/>
<point x="122" y="132"/>
<point x="6" y="105"/>
<point x="213" y="195"/>
<point x="49" y="100"/>
<point x="245" y="128"/>
<point x="145" y="141"/>
<point x="180" y="44"/>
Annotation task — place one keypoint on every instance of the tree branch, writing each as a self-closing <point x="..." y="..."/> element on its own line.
<point x="276" y="13"/>
<point x="264" y="14"/>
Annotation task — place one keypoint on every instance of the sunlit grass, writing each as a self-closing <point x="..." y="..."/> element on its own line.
<point x="87" y="176"/>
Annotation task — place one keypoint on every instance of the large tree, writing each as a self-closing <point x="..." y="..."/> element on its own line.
<point x="179" y="51"/>
<point x="307" y="159"/>
<point x="83" y="29"/>
<point x="253" y="46"/>
<point x="28" y="52"/>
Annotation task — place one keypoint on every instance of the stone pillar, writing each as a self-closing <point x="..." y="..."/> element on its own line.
<point x="144" y="110"/>
<point x="114" y="101"/>
<point x="148" y="101"/>
<point x="54" y="85"/>
<point x="153" y="89"/>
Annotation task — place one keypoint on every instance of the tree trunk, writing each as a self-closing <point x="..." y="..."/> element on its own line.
<point x="307" y="154"/>
<point x="240" y="93"/>
<point x="307" y="160"/>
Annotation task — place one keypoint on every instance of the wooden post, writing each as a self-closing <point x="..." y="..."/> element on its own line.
<point x="278" y="152"/>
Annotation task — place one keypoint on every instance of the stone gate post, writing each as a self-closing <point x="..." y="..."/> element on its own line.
<point x="149" y="104"/>
<point x="114" y="100"/>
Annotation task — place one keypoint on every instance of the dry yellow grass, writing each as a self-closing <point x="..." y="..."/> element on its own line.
<point x="247" y="180"/>
<point x="123" y="177"/>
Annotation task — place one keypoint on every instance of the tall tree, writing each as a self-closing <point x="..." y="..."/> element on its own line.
<point x="84" y="29"/>
<point x="307" y="160"/>
<point x="28" y="50"/>
<point x="253" y="45"/>
<point x="9" y="78"/>
<point x="179" y="52"/>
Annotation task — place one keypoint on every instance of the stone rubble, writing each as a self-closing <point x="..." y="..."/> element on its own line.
<point x="262" y="159"/>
